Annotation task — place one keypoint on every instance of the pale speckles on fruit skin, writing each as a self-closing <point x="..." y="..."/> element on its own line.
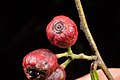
<point x="40" y="59"/>
<point x="65" y="38"/>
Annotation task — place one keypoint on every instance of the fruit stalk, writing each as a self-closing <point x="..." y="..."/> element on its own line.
<point x="85" y="29"/>
<point x="73" y="56"/>
<point x="64" y="64"/>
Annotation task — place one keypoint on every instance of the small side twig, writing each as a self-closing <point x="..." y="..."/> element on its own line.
<point x="90" y="39"/>
<point x="93" y="70"/>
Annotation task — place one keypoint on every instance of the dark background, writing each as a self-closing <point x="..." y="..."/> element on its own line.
<point x="23" y="24"/>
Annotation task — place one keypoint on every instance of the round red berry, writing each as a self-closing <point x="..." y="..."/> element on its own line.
<point x="62" y="31"/>
<point x="39" y="64"/>
<point x="58" y="74"/>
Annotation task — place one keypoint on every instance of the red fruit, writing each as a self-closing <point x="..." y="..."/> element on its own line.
<point x="39" y="64"/>
<point x="62" y="32"/>
<point x="58" y="74"/>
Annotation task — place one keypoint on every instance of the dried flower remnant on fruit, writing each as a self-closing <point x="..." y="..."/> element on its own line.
<point x="58" y="27"/>
<point x="62" y="31"/>
<point x="39" y="64"/>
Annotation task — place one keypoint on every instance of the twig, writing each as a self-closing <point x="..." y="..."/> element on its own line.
<point x="90" y="39"/>
<point x="93" y="70"/>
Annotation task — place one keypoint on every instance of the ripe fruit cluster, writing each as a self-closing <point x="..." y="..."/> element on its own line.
<point x="42" y="64"/>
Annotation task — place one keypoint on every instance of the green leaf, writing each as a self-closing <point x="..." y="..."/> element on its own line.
<point x="94" y="74"/>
